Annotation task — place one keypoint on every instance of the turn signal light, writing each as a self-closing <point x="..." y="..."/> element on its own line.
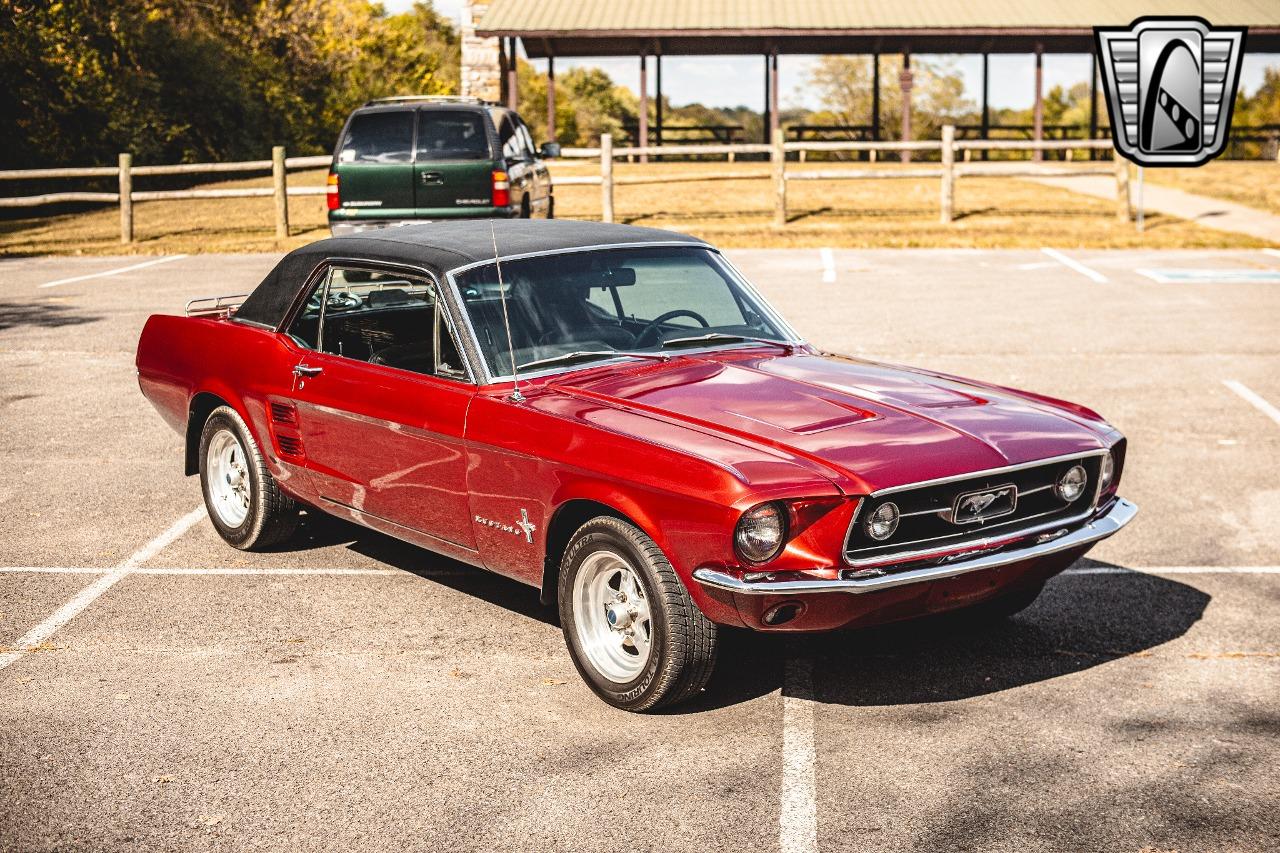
<point x="501" y="189"/>
<point x="332" y="198"/>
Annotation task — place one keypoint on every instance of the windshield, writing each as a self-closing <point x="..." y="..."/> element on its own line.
<point x="593" y="305"/>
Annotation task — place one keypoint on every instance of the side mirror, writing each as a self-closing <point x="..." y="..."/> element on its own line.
<point x="549" y="150"/>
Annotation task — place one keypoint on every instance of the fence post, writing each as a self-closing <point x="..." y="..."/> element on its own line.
<point x="1123" y="212"/>
<point x="779" y="158"/>
<point x="280" y="189"/>
<point x="948" y="173"/>
<point x="126" y="198"/>
<point x="606" y="177"/>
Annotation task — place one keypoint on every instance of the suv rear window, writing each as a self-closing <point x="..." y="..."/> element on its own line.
<point x="452" y="135"/>
<point x="385" y="137"/>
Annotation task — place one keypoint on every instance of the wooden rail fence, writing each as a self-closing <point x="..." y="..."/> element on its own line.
<point x="124" y="171"/>
<point x="948" y="171"/>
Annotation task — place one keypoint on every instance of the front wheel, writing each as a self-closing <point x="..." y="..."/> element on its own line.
<point x="634" y="634"/>
<point x="244" y="502"/>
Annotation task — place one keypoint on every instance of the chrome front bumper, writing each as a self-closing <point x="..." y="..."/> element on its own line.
<point x="1120" y="514"/>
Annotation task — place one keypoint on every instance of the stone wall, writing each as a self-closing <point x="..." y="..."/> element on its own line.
<point x="481" y="65"/>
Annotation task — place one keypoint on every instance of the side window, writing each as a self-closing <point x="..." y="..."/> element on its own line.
<point x="381" y="137"/>
<point x="510" y="139"/>
<point x="388" y="319"/>
<point x="526" y="140"/>
<point x="305" y="328"/>
<point x="605" y="299"/>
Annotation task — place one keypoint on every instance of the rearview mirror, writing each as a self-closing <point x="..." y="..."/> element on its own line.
<point x="549" y="150"/>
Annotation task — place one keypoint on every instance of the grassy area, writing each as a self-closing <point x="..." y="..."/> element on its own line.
<point x="991" y="213"/>
<point x="1255" y="183"/>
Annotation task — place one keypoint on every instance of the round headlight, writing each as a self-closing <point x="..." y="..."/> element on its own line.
<point x="761" y="532"/>
<point x="881" y="523"/>
<point x="1071" y="484"/>
<point x="1108" y="470"/>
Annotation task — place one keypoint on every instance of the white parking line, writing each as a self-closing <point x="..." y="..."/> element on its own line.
<point x="91" y="570"/>
<point x="798" y="817"/>
<point x="1176" y="570"/>
<point x="150" y="263"/>
<point x="64" y="614"/>
<point x="1075" y="265"/>
<point x="828" y="265"/>
<point x="1254" y="398"/>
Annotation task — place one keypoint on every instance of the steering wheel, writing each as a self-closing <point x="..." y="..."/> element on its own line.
<point x="653" y="329"/>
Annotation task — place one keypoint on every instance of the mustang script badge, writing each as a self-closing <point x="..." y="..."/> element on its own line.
<point x="1171" y="84"/>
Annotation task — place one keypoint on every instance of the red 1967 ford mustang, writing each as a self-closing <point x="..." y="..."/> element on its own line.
<point x="612" y="415"/>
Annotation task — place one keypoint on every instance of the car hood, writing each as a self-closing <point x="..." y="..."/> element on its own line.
<point x="864" y="425"/>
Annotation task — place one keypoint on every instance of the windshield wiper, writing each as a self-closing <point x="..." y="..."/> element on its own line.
<point x="724" y="336"/>
<point x="586" y="355"/>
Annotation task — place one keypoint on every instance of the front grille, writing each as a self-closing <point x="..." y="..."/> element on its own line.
<point x="927" y="523"/>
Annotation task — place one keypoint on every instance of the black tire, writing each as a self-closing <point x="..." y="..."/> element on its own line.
<point x="551" y="207"/>
<point x="682" y="640"/>
<point x="271" y="516"/>
<point x="526" y="211"/>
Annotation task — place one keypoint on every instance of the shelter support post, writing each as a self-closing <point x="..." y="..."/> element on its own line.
<point x="1093" y="101"/>
<point x="551" y="99"/>
<point x="905" y="83"/>
<point x="513" y="79"/>
<point x="986" y="102"/>
<point x="643" y="141"/>
<point x="657" y="95"/>
<point x="875" y="97"/>
<point x="1038" y="110"/>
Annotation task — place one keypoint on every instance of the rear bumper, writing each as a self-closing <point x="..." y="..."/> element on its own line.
<point x="344" y="227"/>
<point x="1047" y="545"/>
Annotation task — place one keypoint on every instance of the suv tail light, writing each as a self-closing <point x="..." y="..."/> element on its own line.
<point x="501" y="189"/>
<point x="332" y="197"/>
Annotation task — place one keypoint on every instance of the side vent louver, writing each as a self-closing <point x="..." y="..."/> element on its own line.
<point x="283" y="413"/>
<point x="289" y="445"/>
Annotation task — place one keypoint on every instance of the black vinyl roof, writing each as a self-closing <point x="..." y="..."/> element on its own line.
<point x="439" y="247"/>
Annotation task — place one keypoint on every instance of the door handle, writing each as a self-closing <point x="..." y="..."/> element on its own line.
<point x="307" y="370"/>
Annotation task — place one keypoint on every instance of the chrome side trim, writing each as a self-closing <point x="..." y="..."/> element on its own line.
<point x="1120" y="514"/>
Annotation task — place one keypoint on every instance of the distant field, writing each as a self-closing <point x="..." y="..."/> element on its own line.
<point x="1255" y="183"/>
<point x="991" y="213"/>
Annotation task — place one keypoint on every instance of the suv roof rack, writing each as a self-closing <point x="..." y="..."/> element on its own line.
<point x="441" y="99"/>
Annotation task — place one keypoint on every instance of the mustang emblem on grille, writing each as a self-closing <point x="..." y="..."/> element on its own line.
<point x="973" y="507"/>
<point x="975" y="504"/>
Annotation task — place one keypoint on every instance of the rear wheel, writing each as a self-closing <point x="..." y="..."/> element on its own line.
<point x="244" y="502"/>
<point x="525" y="210"/>
<point x="634" y="634"/>
<point x="551" y="207"/>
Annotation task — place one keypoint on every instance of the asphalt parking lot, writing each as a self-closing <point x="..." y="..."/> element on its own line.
<point x="347" y="691"/>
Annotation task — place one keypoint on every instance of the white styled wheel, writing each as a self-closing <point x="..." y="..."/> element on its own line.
<point x="230" y="488"/>
<point x="245" y="503"/>
<point x="612" y="616"/>
<point x="635" y="635"/>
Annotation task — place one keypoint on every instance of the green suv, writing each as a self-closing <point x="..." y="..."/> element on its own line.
<point x="409" y="159"/>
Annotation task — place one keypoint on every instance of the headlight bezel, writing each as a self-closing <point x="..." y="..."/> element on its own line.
<point x="754" y="556"/>
<point x="1107" y="470"/>
<point x="869" y="522"/>
<point x="1081" y="482"/>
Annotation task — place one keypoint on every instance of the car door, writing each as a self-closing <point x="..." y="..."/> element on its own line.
<point x="381" y="405"/>
<point x="375" y="163"/>
<point x="453" y="166"/>
<point x="541" y="177"/>
<point x="519" y="165"/>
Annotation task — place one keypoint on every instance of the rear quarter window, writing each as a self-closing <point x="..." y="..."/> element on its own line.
<point x="452" y="135"/>
<point x="384" y="137"/>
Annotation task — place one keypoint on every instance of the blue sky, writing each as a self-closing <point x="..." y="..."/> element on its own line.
<point x="730" y="81"/>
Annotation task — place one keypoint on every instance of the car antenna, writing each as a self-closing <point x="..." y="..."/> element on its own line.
<point x="516" y="396"/>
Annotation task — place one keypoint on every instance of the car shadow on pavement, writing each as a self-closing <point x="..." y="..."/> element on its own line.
<point x="43" y="314"/>
<point x="1080" y="621"/>
<point x="318" y="530"/>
